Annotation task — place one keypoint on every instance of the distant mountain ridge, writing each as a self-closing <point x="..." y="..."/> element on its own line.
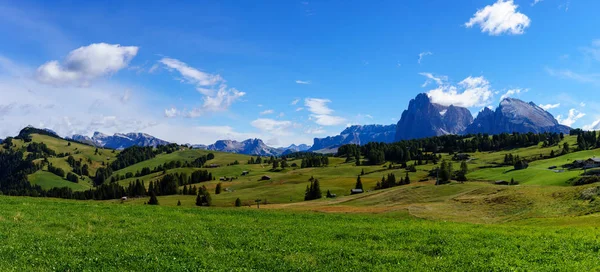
<point x="421" y="119"/>
<point x="424" y="118"/>
<point x="357" y="134"/>
<point x="119" y="140"/>
<point x="254" y="147"/>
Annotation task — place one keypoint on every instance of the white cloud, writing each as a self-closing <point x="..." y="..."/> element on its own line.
<point x="299" y="109"/>
<point x="86" y="63"/>
<point x="295" y="101"/>
<point x="222" y="100"/>
<point x="474" y="91"/>
<point x="172" y="112"/>
<point x="550" y="106"/>
<point x="191" y="74"/>
<point x="265" y="112"/>
<point x="593" y="126"/>
<point x="439" y="80"/>
<point x="573" y="116"/>
<point x="512" y="92"/>
<point x="153" y="68"/>
<point x="303" y="82"/>
<point x="318" y="106"/>
<point x="321" y="113"/>
<point x="281" y="115"/>
<point x="216" y="98"/>
<point x="274" y="127"/>
<point x="26" y="101"/>
<point x="535" y="2"/>
<point x="328" y="120"/>
<point x="582" y="104"/>
<point x="423" y="54"/>
<point x="500" y="18"/>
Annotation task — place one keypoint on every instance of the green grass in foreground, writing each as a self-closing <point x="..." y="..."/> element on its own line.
<point x="50" y="234"/>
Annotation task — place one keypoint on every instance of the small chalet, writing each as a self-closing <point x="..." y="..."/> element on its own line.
<point x="356" y="191"/>
<point x="245" y="173"/>
<point x="461" y="157"/>
<point x="587" y="164"/>
<point x="265" y="178"/>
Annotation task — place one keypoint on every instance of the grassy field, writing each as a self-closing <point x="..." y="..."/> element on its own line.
<point x="48" y="180"/>
<point x="50" y="234"/>
<point x="288" y="185"/>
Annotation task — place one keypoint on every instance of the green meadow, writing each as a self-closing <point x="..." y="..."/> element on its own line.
<point x="62" y="235"/>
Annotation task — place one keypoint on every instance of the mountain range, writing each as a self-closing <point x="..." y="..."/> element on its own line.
<point x="424" y="118"/>
<point x="119" y="140"/>
<point x="356" y="135"/>
<point x="421" y="119"/>
<point x="514" y="115"/>
<point x="254" y="147"/>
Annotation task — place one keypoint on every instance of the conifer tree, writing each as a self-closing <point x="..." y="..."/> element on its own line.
<point x="153" y="200"/>
<point x="238" y="202"/>
<point x="218" y="189"/>
<point x="198" y="200"/>
<point x="178" y="202"/>
<point x="358" y="184"/>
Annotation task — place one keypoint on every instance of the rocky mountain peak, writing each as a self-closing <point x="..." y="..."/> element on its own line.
<point x="426" y="119"/>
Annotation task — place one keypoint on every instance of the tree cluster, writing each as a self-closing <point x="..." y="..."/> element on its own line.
<point x="203" y="198"/>
<point x="313" y="191"/>
<point x="314" y="160"/>
<point x="132" y="155"/>
<point x="391" y="181"/>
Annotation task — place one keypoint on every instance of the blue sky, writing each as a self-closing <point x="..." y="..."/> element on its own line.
<point x="287" y="71"/>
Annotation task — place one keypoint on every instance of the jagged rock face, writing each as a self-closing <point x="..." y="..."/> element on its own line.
<point x="120" y="141"/>
<point x="357" y="135"/>
<point x="425" y="119"/>
<point x="249" y="147"/>
<point x="457" y="119"/>
<point x="514" y="115"/>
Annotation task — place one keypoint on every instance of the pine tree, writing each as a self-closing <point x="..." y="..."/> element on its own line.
<point x="153" y="200"/>
<point x="275" y="164"/>
<point x="238" y="202"/>
<point x="358" y="184"/>
<point x="407" y="179"/>
<point x="218" y="189"/>
<point x="198" y="200"/>
<point x="178" y="203"/>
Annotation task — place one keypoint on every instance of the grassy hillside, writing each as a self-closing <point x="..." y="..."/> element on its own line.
<point x="288" y="185"/>
<point x="49" y="180"/>
<point x="87" y="154"/>
<point x="51" y="234"/>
